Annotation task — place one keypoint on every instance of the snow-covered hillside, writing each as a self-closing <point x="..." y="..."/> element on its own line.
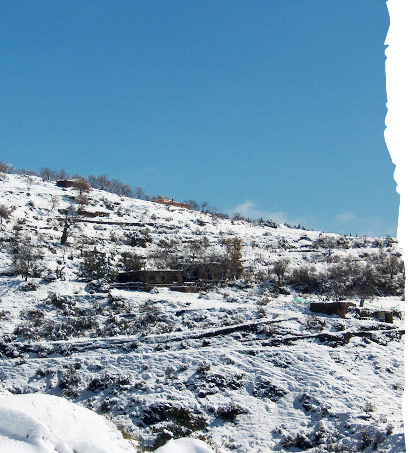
<point x="243" y="365"/>
<point x="38" y="423"/>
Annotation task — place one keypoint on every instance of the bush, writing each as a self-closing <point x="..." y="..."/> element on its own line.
<point x="138" y="238"/>
<point x="339" y="280"/>
<point x="28" y="286"/>
<point x="69" y="382"/>
<point x="315" y="323"/>
<point x="4" y="213"/>
<point x="95" y="265"/>
<point x="26" y="257"/>
<point x="300" y="441"/>
<point x="131" y="261"/>
<point x="305" y="279"/>
<point x="230" y="411"/>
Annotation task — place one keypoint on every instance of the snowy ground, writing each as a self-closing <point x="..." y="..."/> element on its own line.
<point x="38" y="423"/>
<point x="238" y="366"/>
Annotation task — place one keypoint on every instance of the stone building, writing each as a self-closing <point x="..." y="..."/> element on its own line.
<point x="168" y="202"/>
<point x="152" y="277"/>
<point x="195" y="274"/>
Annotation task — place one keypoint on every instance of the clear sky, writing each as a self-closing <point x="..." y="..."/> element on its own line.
<point x="273" y="108"/>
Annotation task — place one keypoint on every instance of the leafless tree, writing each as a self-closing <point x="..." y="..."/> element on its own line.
<point x="120" y="188"/>
<point x="139" y="193"/>
<point x="280" y="268"/>
<point x="5" y="167"/>
<point x="233" y="257"/>
<point x="26" y="258"/>
<point x="100" y="182"/>
<point x="82" y="185"/>
<point x="29" y="181"/>
<point x="82" y="200"/>
<point x="192" y="204"/>
<point x="55" y="200"/>
<point x="62" y="174"/>
<point x="47" y="174"/>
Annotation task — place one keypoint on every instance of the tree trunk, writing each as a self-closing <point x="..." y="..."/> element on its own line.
<point x="362" y="302"/>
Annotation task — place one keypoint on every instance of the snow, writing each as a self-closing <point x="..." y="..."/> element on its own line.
<point x="184" y="445"/>
<point x="238" y="366"/>
<point x="39" y="423"/>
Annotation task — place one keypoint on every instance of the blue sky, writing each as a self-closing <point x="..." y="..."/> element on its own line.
<point x="272" y="108"/>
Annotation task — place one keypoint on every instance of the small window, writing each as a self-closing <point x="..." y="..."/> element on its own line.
<point x="163" y="278"/>
<point x="152" y="278"/>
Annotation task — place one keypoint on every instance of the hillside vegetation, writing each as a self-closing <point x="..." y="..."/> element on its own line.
<point x="242" y="363"/>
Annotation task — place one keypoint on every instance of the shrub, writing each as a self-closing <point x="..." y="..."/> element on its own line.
<point x="230" y="411"/>
<point x="95" y="265"/>
<point x="315" y="323"/>
<point x="70" y="381"/>
<point x="138" y="238"/>
<point x="305" y="280"/>
<point x="64" y="303"/>
<point x="130" y="261"/>
<point x="365" y="440"/>
<point x="4" y="213"/>
<point x="300" y="441"/>
<point x="149" y="313"/>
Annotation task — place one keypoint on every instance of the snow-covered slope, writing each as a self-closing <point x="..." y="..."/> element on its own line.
<point x="39" y="423"/>
<point x="240" y="366"/>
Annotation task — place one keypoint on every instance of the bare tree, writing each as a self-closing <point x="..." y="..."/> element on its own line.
<point x="29" y="181"/>
<point x="139" y="193"/>
<point x="47" y="174"/>
<point x="82" y="185"/>
<point x="280" y="268"/>
<point x="82" y="200"/>
<point x="120" y="188"/>
<point x="192" y="204"/>
<point x="234" y="257"/>
<point x="55" y="200"/>
<point x="62" y="174"/>
<point x="100" y="182"/>
<point x="5" y="167"/>
<point x="26" y="258"/>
